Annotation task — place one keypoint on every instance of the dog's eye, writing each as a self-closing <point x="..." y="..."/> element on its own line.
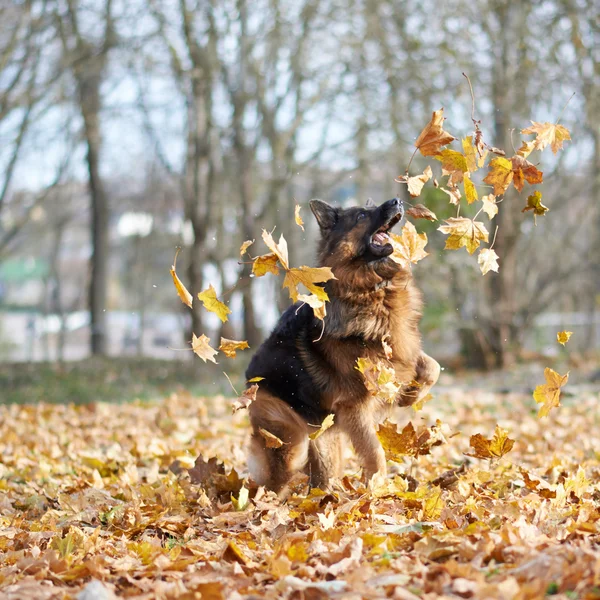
<point x="361" y="215"/>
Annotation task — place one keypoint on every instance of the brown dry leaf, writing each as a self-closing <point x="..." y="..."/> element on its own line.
<point x="201" y="347"/>
<point x="497" y="447"/>
<point x="523" y="171"/>
<point x="409" y="247"/>
<point x="419" y="211"/>
<point x="487" y="260"/>
<point x="470" y="190"/>
<point x="562" y="337"/>
<point x="229" y="347"/>
<point x="246" y="399"/>
<point x="500" y="175"/>
<point x="534" y="203"/>
<point x="280" y="249"/>
<point x="548" y="394"/>
<point x="490" y="208"/>
<point x="211" y="303"/>
<point x="271" y="441"/>
<point x="409" y="442"/>
<point x="265" y="264"/>
<point x="454" y="194"/>
<point x="184" y="295"/>
<point x="245" y="246"/>
<point x="454" y="164"/>
<point x="433" y="137"/>
<point x="297" y="217"/>
<point x="548" y="133"/>
<point x="470" y="156"/>
<point x="415" y="184"/>
<point x="464" y="232"/>
<point x="325" y="425"/>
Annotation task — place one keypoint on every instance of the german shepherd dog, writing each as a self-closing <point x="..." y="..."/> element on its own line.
<point x="309" y="367"/>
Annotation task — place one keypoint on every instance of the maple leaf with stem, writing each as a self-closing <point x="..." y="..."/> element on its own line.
<point x="409" y="246"/>
<point x="419" y="211"/>
<point x="229" y="347"/>
<point x="267" y="263"/>
<point x="497" y="447"/>
<point x="548" y="394"/>
<point x="297" y="217"/>
<point x="464" y="232"/>
<point x="184" y="295"/>
<point x="500" y="175"/>
<point x="546" y="134"/>
<point x="211" y="303"/>
<point x="433" y="137"/>
<point x="562" y="337"/>
<point x="201" y="347"/>
<point x="415" y="184"/>
<point x="523" y="171"/>
<point x="487" y="260"/>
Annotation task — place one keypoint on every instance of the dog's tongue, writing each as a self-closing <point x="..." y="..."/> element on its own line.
<point x="381" y="238"/>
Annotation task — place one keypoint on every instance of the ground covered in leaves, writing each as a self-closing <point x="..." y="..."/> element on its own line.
<point x="104" y="499"/>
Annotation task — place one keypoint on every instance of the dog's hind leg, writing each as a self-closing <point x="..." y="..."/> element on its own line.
<point x="274" y="467"/>
<point x="325" y="458"/>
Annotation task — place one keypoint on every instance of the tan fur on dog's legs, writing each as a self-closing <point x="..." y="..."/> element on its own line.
<point x="427" y="373"/>
<point x="325" y="458"/>
<point x="358" y="423"/>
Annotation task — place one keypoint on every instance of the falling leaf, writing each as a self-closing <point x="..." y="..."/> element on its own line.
<point x="255" y="380"/>
<point x="184" y="295"/>
<point x="415" y="184"/>
<point x="562" y="337"/>
<point x="245" y="246"/>
<point x="211" y="303"/>
<point x="316" y="303"/>
<point x="470" y="190"/>
<point x="419" y="211"/>
<point x="387" y="349"/>
<point x="548" y="133"/>
<point x="526" y="149"/>
<point x="487" y="260"/>
<point x="379" y="379"/>
<point x="469" y="150"/>
<point x="409" y="442"/>
<point x="201" y="347"/>
<point x="297" y="217"/>
<point x="280" y="249"/>
<point x="271" y="441"/>
<point x="229" y="347"/>
<point x="523" y="171"/>
<point x="265" y="264"/>
<point x="308" y="277"/>
<point x="464" y="232"/>
<point x="454" y="164"/>
<point x="534" y="203"/>
<point x="500" y="175"/>
<point x="497" y="447"/>
<point x="409" y="247"/>
<point x="247" y="398"/>
<point x="548" y="394"/>
<point x="433" y="137"/>
<point x="454" y="194"/>
<point x="325" y="425"/>
<point x="489" y="205"/>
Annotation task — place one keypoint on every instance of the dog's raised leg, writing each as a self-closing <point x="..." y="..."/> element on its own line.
<point x="427" y="373"/>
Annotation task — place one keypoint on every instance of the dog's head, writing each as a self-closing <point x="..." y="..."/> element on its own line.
<point x="356" y="236"/>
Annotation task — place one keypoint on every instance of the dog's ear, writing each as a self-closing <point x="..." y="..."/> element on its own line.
<point x="325" y="214"/>
<point x="370" y="203"/>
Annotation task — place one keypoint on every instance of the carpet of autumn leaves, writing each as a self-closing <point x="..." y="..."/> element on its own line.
<point x="103" y="499"/>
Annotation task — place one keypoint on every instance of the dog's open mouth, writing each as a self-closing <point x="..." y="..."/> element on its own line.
<point x="380" y="240"/>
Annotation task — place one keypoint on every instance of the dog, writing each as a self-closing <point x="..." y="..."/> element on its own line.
<point x="309" y="366"/>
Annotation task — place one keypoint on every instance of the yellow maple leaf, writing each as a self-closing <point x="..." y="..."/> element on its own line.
<point x="409" y="442"/>
<point x="470" y="190"/>
<point x="267" y="263"/>
<point x="211" y="303"/>
<point x="523" y="171"/>
<point x="184" y="295"/>
<point x="497" y="447"/>
<point x="246" y="399"/>
<point x="433" y="137"/>
<point x="548" y="394"/>
<point x="454" y="194"/>
<point x="229" y="347"/>
<point x="245" y="246"/>
<point x="379" y="379"/>
<point x="464" y="232"/>
<point x="454" y="164"/>
<point x="548" y="133"/>
<point x="409" y="246"/>
<point x="325" y="425"/>
<point x="280" y="249"/>
<point x="415" y="184"/>
<point x="469" y="150"/>
<point x="526" y="149"/>
<point x="308" y="277"/>
<point x="419" y="211"/>
<point x="271" y="441"/>
<point x="500" y="175"/>
<point x="297" y="217"/>
<point x="534" y="203"/>
<point x="201" y="347"/>
<point x="490" y="208"/>
<point x="316" y="303"/>
<point x="487" y="260"/>
<point x="562" y="337"/>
